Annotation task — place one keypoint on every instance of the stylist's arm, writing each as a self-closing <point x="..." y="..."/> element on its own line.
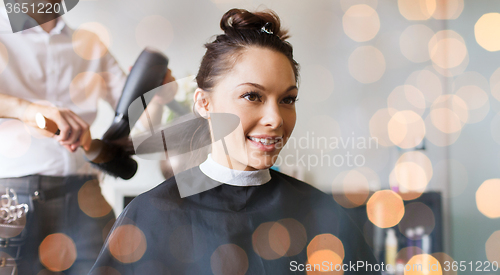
<point x="74" y="130"/>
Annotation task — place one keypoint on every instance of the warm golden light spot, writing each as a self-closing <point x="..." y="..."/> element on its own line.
<point x="379" y="127"/>
<point x="419" y="158"/>
<point x="57" y="252"/>
<point x="86" y="88"/>
<point x="91" y="40"/>
<point x="477" y="102"/>
<point x="493" y="248"/>
<point x="411" y="176"/>
<point x="414" y="42"/>
<point x="4" y="57"/>
<point x="127" y="243"/>
<point x="367" y="64"/>
<point x="385" y="208"/>
<point x="361" y="23"/>
<point x="154" y="31"/>
<point x="406" y="129"/>
<point x="318" y="81"/>
<point x="321" y="256"/>
<point x="427" y="82"/>
<point x="423" y="264"/>
<point x="448" y="9"/>
<point x="438" y="137"/>
<point x="271" y="240"/>
<point x="417" y="214"/>
<point x="487" y="198"/>
<point x="449" y="113"/>
<point x="417" y="9"/>
<point x="356" y="187"/>
<point x="323" y="242"/>
<point x="406" y="97"/>
<point x="91" y="201"/>
<point x="487" y="31"/>
<point x="15" y="141"/>
<point x="298" y="236"/>
<point x="447" y="49"/>
<point x="229" y="259"/>
<point x="346" y="4"/>
<point x="401" y="190"/>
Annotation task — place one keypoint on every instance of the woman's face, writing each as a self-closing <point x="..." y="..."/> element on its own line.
<point x="261" y="91"/>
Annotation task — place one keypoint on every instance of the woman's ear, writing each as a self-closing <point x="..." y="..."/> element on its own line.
<point x="201" y="103"/>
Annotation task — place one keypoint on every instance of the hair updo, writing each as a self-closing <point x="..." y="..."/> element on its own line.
<point x="241" y="30"/>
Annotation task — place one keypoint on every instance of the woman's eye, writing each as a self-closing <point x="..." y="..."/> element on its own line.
<point x="290" y="100"/>
<point x="252" y="96"/>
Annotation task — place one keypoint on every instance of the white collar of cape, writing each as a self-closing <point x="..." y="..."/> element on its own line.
<point x="221" y="173"/>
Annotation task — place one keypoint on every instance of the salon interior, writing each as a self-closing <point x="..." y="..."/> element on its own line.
<point x="398" y="117"/>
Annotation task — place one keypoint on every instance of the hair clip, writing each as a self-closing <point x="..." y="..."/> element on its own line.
<point x="267" y="28"/>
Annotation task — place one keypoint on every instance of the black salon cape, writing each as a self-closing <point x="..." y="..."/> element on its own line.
<point x="182" y="233"/>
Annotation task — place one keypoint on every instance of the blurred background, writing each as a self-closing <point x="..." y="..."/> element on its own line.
<point x="394" y="95"/>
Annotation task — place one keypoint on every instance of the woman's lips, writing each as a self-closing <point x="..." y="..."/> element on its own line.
<point x="263" y="147"/>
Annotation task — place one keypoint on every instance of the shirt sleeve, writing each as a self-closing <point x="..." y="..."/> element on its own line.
<point x="114" y="78"/>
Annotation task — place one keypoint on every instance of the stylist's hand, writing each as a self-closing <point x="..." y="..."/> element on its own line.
<point x="167" y="93"/>
<point x="74" y="130"/>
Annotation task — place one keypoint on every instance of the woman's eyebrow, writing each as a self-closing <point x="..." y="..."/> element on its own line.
<point x="293" y="87"/>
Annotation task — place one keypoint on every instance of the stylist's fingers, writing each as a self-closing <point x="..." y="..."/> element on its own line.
<point x="75" y="131"/>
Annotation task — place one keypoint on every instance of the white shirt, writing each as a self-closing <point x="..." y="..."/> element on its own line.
<point x="221" y="173"/>
<point x="40" y="66"/>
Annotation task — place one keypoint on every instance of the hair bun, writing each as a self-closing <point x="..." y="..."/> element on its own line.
<point x="236" y="20"/>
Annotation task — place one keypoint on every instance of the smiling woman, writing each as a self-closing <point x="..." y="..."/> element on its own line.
<point x="244" y="218"/>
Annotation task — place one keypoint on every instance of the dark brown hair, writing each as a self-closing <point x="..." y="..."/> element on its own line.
<point x="241" y="30"/>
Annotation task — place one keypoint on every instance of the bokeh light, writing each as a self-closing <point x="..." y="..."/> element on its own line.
<point x="271" y="240"/>
<point x="401" y="190"/>
<point x="355" y="189"/>
<point x="414" y="42"/>
<point x="406" y="129"/>
<point x="298" y="236"/>
<point x="477" y="102"/>
<point x="379" y="126"/>
<point x="423" y="264"/>
<point x="91" y="40"/>
<point x="367" y="64"/>
<point x="448" y="9"/>
<point x="91" y="201"/>
<point x="317" y="81"/>
<point x="385" y="208"/>
<point x="154" y="31"/>
<point x="324" y="242"/>
<point x="487" y="198"/>
<point x="487" y="31"/>
<point x="435" y="135"/>
<point x="346" y="4"/>
<point x="127" y="243"/>
<point x="417" y="9"/>
<point x="318" y="258"/>
<point x="14" y="140"/>
<point x="4" y="57"/>
<point x="493" y="248"/>
<point x="229" y="259"/>
<point x="447" y="49"/>
<point x="57" y="252"/>
<point x="427" y="82"/>
<point x="419" y="179"/>
<point x="417" y="214"/>
<point x="86" y="88"/>
<point x="449" y="113"/>
<point x="361" y="23"/>
<point x="406" y="97"/>
<point x="406" y="253"/>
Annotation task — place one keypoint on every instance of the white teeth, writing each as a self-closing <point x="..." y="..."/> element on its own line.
<point x="266" y="141"/>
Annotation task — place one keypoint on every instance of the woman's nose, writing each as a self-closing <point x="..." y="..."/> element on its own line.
<point x="272" y="116"/>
